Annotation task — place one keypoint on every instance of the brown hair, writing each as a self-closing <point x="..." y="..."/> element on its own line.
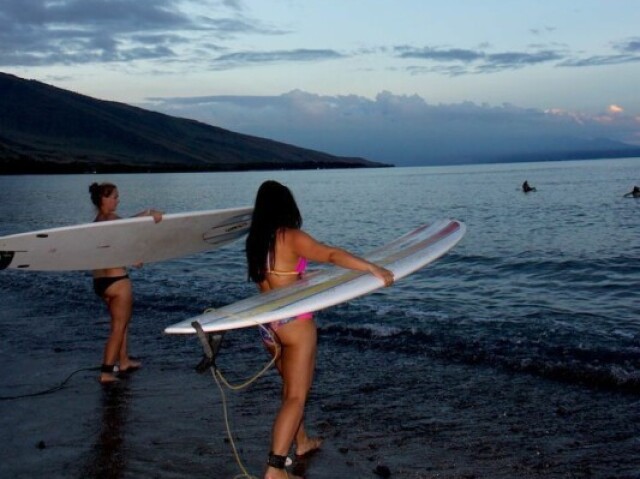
<point x="99" y="191"/>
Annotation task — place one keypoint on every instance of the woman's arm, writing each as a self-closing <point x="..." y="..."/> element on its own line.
<point x="305" y="245"/>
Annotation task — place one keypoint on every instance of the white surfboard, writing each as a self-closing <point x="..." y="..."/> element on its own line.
<point x="123" y="242"/>
<point x="332" y="286"/>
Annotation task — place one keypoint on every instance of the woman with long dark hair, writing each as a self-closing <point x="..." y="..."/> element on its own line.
<point x="277" y="252"/>
<point x="114" y="287"/>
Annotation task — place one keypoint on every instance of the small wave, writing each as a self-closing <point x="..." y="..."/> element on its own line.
<point x="531" y="262"/>
<point x="598" y="368"/>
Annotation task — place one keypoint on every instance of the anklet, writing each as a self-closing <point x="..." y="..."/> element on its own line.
<point x="276" y="461"/>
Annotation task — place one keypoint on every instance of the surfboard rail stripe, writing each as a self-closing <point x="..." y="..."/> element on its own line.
<point x="417" y="247"/>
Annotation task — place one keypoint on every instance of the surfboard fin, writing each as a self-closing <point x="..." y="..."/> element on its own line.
<point x="5" y="258"/>
<point x="211" y="343"/>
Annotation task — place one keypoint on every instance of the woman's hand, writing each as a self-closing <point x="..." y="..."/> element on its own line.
<point x="383" y="273"/>
<point x="157" y="215"/>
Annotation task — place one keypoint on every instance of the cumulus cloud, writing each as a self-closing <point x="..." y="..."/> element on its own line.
<point x="402" y="129"/>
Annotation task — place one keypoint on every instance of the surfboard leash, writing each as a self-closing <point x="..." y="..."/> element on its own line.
<point x="51" y="389"/>
<point x="211" y="344"/>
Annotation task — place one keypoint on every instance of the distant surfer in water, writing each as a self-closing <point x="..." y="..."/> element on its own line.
<point x="526" y="188"/>
<point x="277" y="251"/>
<point x="114" y="287"/>
<point x="635" y="193"/>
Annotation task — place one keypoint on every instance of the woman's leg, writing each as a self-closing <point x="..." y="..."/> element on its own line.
<point x="119" y="299"/>
<point x="296" y="364"/>
<point x="126" y="363"/>
<point x="303" y="443"/>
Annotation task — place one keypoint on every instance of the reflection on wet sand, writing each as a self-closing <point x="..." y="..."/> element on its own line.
<point x="108" y="458"/>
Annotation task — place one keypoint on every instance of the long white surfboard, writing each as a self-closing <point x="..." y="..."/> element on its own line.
<point x="333" y="286"/>
<point x="123" y="242"/>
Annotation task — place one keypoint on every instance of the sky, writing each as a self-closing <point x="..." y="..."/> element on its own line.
<point x="408" y="82"/>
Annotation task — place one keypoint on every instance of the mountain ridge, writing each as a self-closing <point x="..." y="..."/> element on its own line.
<point x="45" y="129"/>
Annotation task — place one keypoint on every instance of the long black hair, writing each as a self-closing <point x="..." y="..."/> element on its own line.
<point x="275" y="208"/>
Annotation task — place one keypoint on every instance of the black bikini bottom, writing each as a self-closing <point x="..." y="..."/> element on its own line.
<point x="100" y="285"/>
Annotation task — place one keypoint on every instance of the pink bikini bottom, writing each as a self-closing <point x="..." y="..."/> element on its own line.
<point x="275" y="325"/>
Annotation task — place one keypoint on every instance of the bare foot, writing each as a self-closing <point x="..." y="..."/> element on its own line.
<point x="129" y="365"/>
<point x="309" y="446"/>
<point x="273" y="473"/>
<point x="108" y="378"/>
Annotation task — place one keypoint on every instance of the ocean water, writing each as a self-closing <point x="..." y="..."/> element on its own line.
<point x="544" y="287"/>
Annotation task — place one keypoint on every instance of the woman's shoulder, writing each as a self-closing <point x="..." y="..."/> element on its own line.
<point x="295" y="239"/>
<point x="109" y="217"/>
<point x="293" y="234"/>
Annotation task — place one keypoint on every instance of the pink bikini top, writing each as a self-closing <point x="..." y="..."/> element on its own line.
<point x="300" y="268"/>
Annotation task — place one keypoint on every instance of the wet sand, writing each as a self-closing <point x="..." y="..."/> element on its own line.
<point x="158" y="422"/>
<point x="417" y="419"/>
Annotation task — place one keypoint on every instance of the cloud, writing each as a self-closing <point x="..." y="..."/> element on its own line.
<point x="43" y="32"/>
<point x="627" y="51"/>
<point x="238" y="59"/>
<point x="448" y="55"/>
<point x="200" y="33"/>
<point x="517" y="59"/>
<point x="600" y="60"/>
<point x="459" y="61"/>
<point x="542" y="31"/>
<point x="456" y="61"/>
<point x="401" y="129"/>
<point x="234" y="4"/>
<point x="631" y="45"/>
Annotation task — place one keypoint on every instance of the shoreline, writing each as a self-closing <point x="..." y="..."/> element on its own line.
<point x="166" y="421"/>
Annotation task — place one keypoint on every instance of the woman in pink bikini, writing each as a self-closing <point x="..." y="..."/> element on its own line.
<point x="114" y="287"/>
<point x="277" y="251"/>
